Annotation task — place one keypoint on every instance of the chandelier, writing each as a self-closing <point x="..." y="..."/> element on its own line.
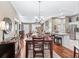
<point x="39" y="18"/>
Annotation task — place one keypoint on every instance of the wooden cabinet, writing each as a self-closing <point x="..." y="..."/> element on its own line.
<point x="72" y="26"/>
<point x="7" y="50"/>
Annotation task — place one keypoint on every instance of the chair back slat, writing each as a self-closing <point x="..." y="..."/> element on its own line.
<point x="38" y="43"/>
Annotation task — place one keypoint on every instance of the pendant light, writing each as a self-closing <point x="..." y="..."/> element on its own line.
<point x="38" y="19"/>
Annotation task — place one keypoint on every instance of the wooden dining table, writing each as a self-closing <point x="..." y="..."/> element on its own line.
<point x="48" y="40"/>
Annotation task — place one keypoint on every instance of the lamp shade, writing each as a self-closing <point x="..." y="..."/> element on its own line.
<point x="2" y="25"/>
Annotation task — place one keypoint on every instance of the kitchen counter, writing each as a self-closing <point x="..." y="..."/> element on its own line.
<point x="60" y="34"/>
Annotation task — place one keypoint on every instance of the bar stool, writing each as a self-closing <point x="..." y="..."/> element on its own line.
<point x="58" y="40"/>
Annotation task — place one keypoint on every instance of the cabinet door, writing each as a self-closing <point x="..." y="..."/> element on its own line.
<point x="72" y="32"/>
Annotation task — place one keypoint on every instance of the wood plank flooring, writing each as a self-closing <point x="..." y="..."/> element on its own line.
<point x="62" y="51"/>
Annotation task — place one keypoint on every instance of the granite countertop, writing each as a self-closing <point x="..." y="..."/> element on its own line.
<point x="60" y="34"/>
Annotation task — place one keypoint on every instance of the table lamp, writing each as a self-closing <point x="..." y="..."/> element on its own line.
<point x="2" y="27"/>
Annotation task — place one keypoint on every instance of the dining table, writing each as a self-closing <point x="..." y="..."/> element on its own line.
<point x="46" y="40"/>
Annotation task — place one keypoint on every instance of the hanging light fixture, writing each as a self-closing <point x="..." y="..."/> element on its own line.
<point x="39" y="18"/>
<point x="39" y="10"/>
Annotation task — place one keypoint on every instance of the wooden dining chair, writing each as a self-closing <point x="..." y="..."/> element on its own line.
<point x="76" y="52"/>
<point x="46" y="44"/>
<point x="38" y="47"/>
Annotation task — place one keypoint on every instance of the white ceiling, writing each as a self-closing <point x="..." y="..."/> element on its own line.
<point x="29" y="9"/>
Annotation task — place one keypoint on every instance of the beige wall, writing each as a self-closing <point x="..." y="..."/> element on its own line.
<point x="6" y="10"/>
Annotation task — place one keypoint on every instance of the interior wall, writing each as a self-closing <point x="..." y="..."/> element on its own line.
<point x="50" y="25"/>
<point x="66" y="41"/>
<point x="6" y="10"/>
<point x="26" y="28"/>
<point x="59" y="25"/>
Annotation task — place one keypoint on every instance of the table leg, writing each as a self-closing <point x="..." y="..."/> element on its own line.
<point x="51" y="51"/>
<point x="26" y="50"/>
<point x="61" y="41"/>
<point x="74" y="52"/>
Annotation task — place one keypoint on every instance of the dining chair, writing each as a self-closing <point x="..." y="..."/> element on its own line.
<point x="38" y="47"/>
<point x="46" y="44"/>
<point x="76" y="52"/>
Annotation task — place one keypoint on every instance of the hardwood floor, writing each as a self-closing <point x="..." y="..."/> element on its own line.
<point x="63" y="52"/>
